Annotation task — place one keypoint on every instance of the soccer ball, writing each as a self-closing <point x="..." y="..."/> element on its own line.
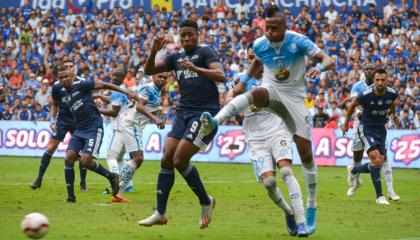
<point x="35" y="225"/>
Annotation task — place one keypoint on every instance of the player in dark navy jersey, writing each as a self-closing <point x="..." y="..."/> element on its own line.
<point x="197" y="70"/>
<point x="378" y="103"/>
<point x="61" y="122"/>
<point x="87" y="137"/>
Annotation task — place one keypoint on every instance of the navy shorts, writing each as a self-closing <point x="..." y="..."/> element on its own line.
<point x="187" y="125"/>
<point x="87" y="142"/>
<point x="373" y="137"/>
<point x="62" y="129"/>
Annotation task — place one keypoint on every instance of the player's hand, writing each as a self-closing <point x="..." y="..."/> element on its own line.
<point x="396" y="120"/>
<point x="254" y="108"/>
<point x="159" y="123"/>
<point x="98" y="101"/>
<point x="158" y="43"/>
<point x="186" y="64"/>
<point x="53" y="127"/>
<point x="133" y="96"/>
<point x="313" y="72"/>
<point x="344" y="128"/>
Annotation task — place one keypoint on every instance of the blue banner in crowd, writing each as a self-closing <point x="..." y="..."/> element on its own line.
<point x="294" y="5"/>
<point x="330" y="147"/>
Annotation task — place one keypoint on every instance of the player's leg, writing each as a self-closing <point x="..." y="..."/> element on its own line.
<point x="387" y="171"/>
<point x="258" y="97"/>
<point x="83" y="173"/>
<point x="91" y="149"/>
<point x="71" y="157"/>
<point x="183" y="154"/>
<point x="45" y="161"/>
<point x="127" y="174"/>
<point x="113" y="153"/>
<point x="165" y="182"/>
<point x="355" y="180"/>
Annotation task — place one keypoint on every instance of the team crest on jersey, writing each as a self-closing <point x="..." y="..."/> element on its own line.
<point x="282" y="74"/>
<point x="380" y="102"/>
<point x="293" y="47"/>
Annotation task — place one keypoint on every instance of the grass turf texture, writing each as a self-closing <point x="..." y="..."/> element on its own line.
<point x="243" y="210"/>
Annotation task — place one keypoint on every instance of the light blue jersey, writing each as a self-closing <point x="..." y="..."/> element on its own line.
<point x="151" y="93"/>
<point x="121" y="100"/>
<point x="284" y="62"/>
<point x="357" y="89"/>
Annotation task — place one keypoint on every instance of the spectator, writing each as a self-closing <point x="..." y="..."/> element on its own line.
<point x="39" y="114"/>
<point x="405" y="121"/>
<point x="331" y="14"/>
<point x="417" y="118"/>
<point x="129" y="80"/>
<point x="24" y="114"/>
<point x="32" y="82"/>
<point x="333" y="121"/>
<point x="42" y="96"/>
<point x="16" y="80"/>
<point x="334" y="110"/>
<point x="320" y="119"/>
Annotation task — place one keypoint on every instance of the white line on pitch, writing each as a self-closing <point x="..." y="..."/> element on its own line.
<point x="141" y="183"/>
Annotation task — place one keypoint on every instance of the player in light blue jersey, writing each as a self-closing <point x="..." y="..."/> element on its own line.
<point x="119" y="106"/>
<point x="133" y="123"/>
<point x="355" y="181"/>
<point x="281" y="53"/>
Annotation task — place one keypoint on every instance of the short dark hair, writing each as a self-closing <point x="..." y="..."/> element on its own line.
<point x="381" y="71"/>
<point x="271" y="10"/>
<point x="189" y="23"/>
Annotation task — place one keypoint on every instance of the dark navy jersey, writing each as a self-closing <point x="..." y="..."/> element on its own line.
<point x="84" y="110"/>
<point x="197" y="92"/>
<point x="376" y="108"/>
<point x="59" y="94"/>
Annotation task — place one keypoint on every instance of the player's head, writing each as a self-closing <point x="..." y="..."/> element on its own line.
<point x="380" y="79"/>
<point x="65" y="76"/>
<point x="189" y="34"/>
<point x="275" y="24"/>
<point x="117" y="76"/>
<point x="370" y="72"/>
<point x="160" y="79"/>
<point x="69" y="64"/>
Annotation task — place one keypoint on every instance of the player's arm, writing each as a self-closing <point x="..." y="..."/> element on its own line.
<point x="214" y="72"/>
<point x="325" y="63"/>
<point x="53" y="114"/>
<point x="255" y="68"/>
<point x="141" y="102"/>
<point x="105" y="99"/>
<point x="152" y="67"/>
<point x="109" y="86"/>
<point x="353" y="105"/>
<point x="394" y="116"/>
<point x="110" y="112"/>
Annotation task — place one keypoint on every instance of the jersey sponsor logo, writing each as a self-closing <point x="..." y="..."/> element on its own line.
<point x="187" y="74"/>
<point x="76" y="105"/>
<point x="194" y="57"/>
<point x="380" y="112"/>
<point x="282" y="74"/>
<point x="293" y="47"/>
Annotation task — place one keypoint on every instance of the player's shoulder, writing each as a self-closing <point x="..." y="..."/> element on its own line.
<point x="261" y="43"/>
<point x="367" y="91"/>
<point x="391" y="90"/>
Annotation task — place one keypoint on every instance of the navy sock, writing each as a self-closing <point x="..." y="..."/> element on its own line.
<point x="83" y="172"/>
<point x="69" y="176"/>
<point x="364" y="168"/>
<point x="375" y="173"/>
<point x="45" y="161"/>
<point x="98" y="168"/>
<point x="192" y="177"/>
<point x="165" y="182"/>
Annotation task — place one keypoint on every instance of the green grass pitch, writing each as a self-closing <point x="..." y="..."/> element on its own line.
<point x="243" y="210"/>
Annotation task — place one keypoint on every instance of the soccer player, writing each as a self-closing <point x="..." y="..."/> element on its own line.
<point x="270" y="145"/>
<point x="377" y="102"/>
<point x="61" y="122"/>
<point x="197" y="70"/>
<point x="87" y="137"/>
<point x="357" y="147"/>
<point x="119" y="106"/>
<point x="281" y="53"/>
<point x="133" y="124"/>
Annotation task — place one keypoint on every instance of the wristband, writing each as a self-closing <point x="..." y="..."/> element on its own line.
<point x="320" y="67"/>
<point x="244" y="78"/>
<point x="52" y="120"/>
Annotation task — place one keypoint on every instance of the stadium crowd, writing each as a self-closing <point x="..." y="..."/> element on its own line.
<point x="32" y="44"/>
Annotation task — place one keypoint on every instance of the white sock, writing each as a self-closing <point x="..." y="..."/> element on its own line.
<point x="387" y="172"/>
<point x="275" y="194"/>
<point x="126" y="174"/>
<point x="295" y="193"/>
<point x="310" y="176"/>
<point x="237" y="105"/>
<point x="111" y="160"/>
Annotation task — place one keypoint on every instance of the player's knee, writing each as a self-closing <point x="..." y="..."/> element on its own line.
<point x="112" y="155"/>
<point x="269" y="183"/>
<point x="166" y="161"/>
<point x="286" y="172"/>
<point x="69" y="161"/>
<point x="179" y="162"/>
<point x="137" y="157"/>
<point x="87" y="161"/>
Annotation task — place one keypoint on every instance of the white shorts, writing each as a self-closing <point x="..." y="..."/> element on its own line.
<point x="357" y="143"/>
<point x="132" y="138"/>
<point x="292" y="111"/>
<point x="266" y="153"/>
<point x="116" y="143"/>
